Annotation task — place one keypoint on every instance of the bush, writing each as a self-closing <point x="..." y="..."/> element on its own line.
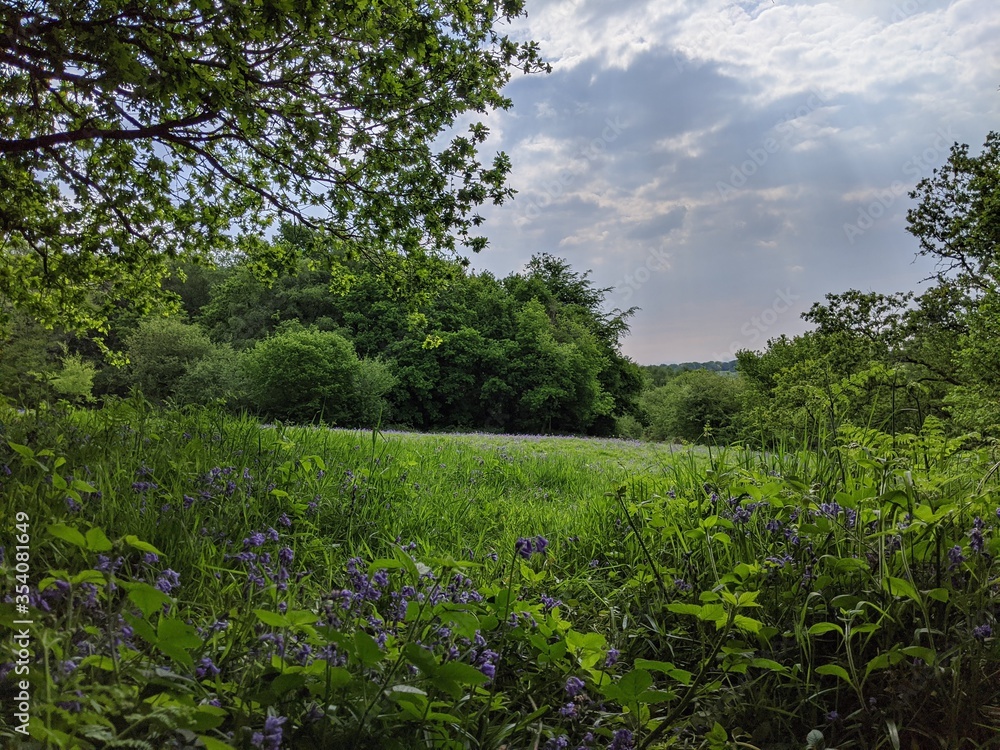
<point x="216" y="378"/>
<point x="693" y="402"/>
<point x="301" y="374"/>
<point x="160" y="353"/>
<point x="372" y="381"/>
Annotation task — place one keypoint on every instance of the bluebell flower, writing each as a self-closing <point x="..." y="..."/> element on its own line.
<point x="574" y="686"/>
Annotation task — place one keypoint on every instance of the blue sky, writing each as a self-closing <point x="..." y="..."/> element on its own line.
<point x="726" y="164"/>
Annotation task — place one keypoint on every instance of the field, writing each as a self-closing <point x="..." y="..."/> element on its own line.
<point x="199" y="580"/>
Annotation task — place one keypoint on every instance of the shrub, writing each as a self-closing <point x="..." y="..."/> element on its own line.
<point x="693" y="402"/>
<point x="160" y="353"/>
<point x="301" y="374"/>
<point x="216" y="378"/>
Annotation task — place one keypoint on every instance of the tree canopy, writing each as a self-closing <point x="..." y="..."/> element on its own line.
<point x="131" y="131"/>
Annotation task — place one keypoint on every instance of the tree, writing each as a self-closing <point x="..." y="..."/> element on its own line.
<point x="957" y="219"/>
<point x="131" y="132"/>
<point x="302" y="374"/>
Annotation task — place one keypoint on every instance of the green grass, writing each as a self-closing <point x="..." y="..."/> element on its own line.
<point x="363" y="589"/>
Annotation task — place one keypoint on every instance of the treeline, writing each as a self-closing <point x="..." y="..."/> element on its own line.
<point x="533" y="352"/>
<point x="892" y="363"/>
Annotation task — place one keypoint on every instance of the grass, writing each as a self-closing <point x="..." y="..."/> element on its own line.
<point x="197" y="580"/>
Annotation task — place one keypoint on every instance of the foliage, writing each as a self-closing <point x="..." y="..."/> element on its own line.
<point x="161" y="351"/>
<point x="139" y="132"/>
<point x="557" y="592"/>
<point x="695" y="405"/>
<point x="302" y="374"/>
<point x="957" y="218"/>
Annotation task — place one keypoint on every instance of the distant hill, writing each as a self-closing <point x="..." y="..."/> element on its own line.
<point x="660" y="374"/>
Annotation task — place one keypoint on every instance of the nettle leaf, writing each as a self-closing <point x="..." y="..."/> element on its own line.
<point x="97" y="541"/>
<point x="274" y="619"/>
<point x="68" y="534"/>
<point x="836" y="670"/>
<point x="148" y="599"/>
<point x="368" y="650"/>
<point x="136" y="543"/>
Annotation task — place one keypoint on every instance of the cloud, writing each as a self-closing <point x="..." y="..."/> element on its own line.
<point x="739" y="139"/>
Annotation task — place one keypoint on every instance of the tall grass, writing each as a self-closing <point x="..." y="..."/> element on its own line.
<point x="204" y="580"/>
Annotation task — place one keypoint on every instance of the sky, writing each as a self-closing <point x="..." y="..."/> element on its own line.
<point x="724" y="165"/>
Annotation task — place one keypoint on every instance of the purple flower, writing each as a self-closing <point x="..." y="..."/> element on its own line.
<point x="682" y="585"/>
<point x="168" y="581"/>
<point x="832" y="717"/>
<point x="574" y="686"/>
<point x="286" y="555"/>
<point x="254" y="540"/>
<point x="284" y="520"/>
<point x="523" y="547"/>
<point x="976" y="536"/>
<point x="72" y="505"/>
<point x="982" y="632"/>
<point x="540" y="544"/>
<point x="150" y="558"/>
<point x="568" y="711"/>
<point x="622" y="740"/>
<point x="612" y="658"/>
<point x="549" y="603"/>
<point x="206" y="668"/>
<point x="955" y="556"/>
<point x="557" y="743"/>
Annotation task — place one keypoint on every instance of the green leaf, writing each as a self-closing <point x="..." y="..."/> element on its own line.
<point x="22" y="449"/>
<point x="133" y="541"/>
<point x="67" y="534"/>
<point x="825" y="627"/>
<point x="466" y="674"/>
<point x="421" y="657"/>
<point x="633" y="685"/>
<point x="210" y="743"/>
<point x="177" y="633"/>
<point x="685" y="609"/>
<point x="897" y="586"/>
<point x="97" y="541"/>
<point x="368" y="650"/>
<point x="835" y="670"/>
<point x="274" y="619"/>
<point x="147" y="598"/>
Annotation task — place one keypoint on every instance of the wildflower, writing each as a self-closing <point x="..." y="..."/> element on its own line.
<point x="150" y="558"/>
<point x="557" y="743"/>
<point x="742" y="515"/>
<point x="976" y="536"/>
<point x="284" y="520"/>
<point x="682" y="585"/>
<point x="206" y="668"/>
<point x="188" y="502"/>
<point x="254" y="540"/>
<point x="523" y="547"/>
<point x="832" y="717"/>
<point x="168" y="581"/>
<point x="594" y="563"/>
<point x="270" y="738"/>
<point x="72" y="505"/>
<point x="774" y="526"/>
<point x="982" y="632"/>
<point x="286" y="555"/>
<point x="272" y="534"/>
<point x="955" y="556"/>
<point x="568" y="711"/>
<point x="611" y="658"/>
<point x="540" y="544"/>
<point x="574" y="686"/>
<point x="622" y="740"/>
<point x="549" y="603"/>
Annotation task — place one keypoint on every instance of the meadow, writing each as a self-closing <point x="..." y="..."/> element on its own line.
<point x="196" y="579"/>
